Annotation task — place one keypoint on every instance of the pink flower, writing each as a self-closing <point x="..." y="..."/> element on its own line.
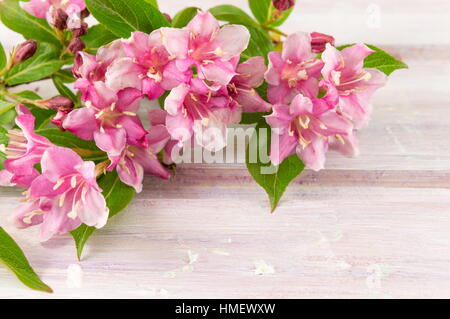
<point x="90" y="69"/>
<point x="195" y="109"/>
<point x="64" y="196"/>
<point x="352" y="84"/>
<point x="241" y="89"/>
<point x="294" y="71"/>
<point x="147" y="67"/>
<point x="135" y="161"/>
<point x="304" y="128"/>
<point x="213" y="50"/>
<point x="47" y="8"/>
<point x="24" y="151"/>
<point x="110" y="119"/>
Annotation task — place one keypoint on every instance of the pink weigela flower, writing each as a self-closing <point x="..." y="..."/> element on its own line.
<point x="196" y="109"/>
<point x="147" y="67"/>
<point x="136" y="161"/>
<point x="24" y="151"/>
<point x="213" y="50"/>
<point x="295" y="70"/>
<point x="351" y="83"/>
<point x="90" y="69"/>
<point x="304" y="128"/>
<point x="110" y="119"/>
<point x="64" y="196"/>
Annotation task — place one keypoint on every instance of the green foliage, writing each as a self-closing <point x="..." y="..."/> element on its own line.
<point x="44" y="63"/>
<point x="260" y="9"/>
<point x="233" y="14"/>
<point x="183" y="17"/>
<point x="3" y="58"/>
<point x="259" y="45"/>
<point x="17" y="19"/>
<point x="97" y="36"/>
<point x="117" y="196"/>
<point x="122" y="17"/>
<point x="86" y="149"/>
<point x="13" y="257"/>
<point x="273" y="179"/>
<point x="64" y="90"/>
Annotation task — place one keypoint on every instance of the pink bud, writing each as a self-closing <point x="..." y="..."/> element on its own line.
<point x="85" y="13"/>
<point x="55" y="103"/>
<point x="168" y="17"/>
<point x="59" y="19"/>
<point x="319" y="41"/>
<point x="283" y="5"/>
<point x="76" y="45"/>
<point x="24" y="51"/>
<point x="82" y="30"/>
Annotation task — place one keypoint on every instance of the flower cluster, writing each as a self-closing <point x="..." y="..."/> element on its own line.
<point x="318" y="102"/>
<point x="63" y="195"/>
<point x="208" y="87"/>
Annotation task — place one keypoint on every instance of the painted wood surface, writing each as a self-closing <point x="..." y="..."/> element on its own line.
<point x="373" y="226"/>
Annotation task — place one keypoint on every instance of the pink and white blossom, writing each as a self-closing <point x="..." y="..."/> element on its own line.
<point x="295" y="70"/>
<point x="196" y="110"/>
<point x="241" y="89"/>
<point x="91" y="69"/>
<point x="64" y="196"/>
<point x="213" y="50"/>
<point x="109" y="119"/>
<point x="147" y="67"/>
<point x="352" y="84"/>
<point x="304" y="127"/>
<point x="136" y="161"/>
<point x="25" y="149"/>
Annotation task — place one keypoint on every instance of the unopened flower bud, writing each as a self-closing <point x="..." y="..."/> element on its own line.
<point x="319" y="41"/>
<point x="24" y="51"/>
<point x="76" y="45"/>
<point x="59" y="19"/>
<point x="82" y="30"/>
<point x="168" y="17"/>
<point x="60" y="116"/>
<point x="283" y="5"/>
<point x="55" y="103"/>
<point x="85" y="13"/>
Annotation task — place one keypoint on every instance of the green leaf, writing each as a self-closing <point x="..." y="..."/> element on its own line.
<point x="252" y="118"/>
<point x="86" y="149"/>
<point x="3" y="59"/>
<point x="273" y="179"/>
<point x="183" y="17"/>
<point x="97" y="36"/>
<point x="6" y="106"/>
<point x="260" y="9"/>
<point x="380" y="60"/>
<point x="259" y="44"/>
<point x="233" y="14"/>
<point x="284" y="16"/>
<point x="153" y="3"/>
<point x="65" y="75"/>
<point x="17" y="19"/>
<point x="13" y="257"/>
<point x="44" y="63"/>
<point x="64" y="90"/>
<point x="124" y="16"/>
<point x="117" y="196"/>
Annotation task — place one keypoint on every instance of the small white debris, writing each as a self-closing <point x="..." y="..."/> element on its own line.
<point x="220" y="252"/>
<point x="262" y="268"/>
<point x="170" y="274"/>
<point x="192" y="257"/>
<point x="163" y="292"/>
<point x="74" y="276"/>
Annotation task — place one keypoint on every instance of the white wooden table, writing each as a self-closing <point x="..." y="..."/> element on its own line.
<point x="374" y="226"/>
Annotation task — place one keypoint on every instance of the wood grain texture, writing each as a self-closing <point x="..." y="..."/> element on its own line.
<point x="373" y="226"/>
